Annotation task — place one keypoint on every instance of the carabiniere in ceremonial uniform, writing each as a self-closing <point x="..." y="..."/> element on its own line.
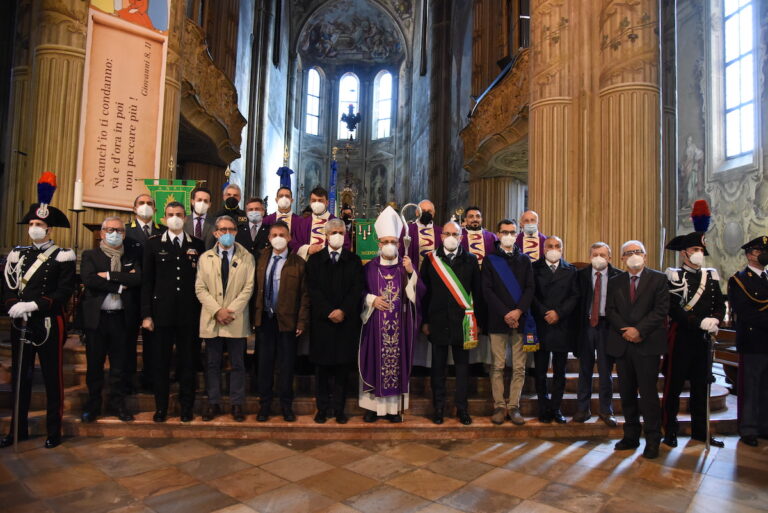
<point x="696" y="308"/>
<point x="38" y="281"/>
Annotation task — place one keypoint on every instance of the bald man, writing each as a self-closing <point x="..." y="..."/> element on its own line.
<point x="530" y="241"/>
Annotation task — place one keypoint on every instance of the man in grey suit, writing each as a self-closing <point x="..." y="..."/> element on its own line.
<point x="637" y="303"/>
<point x="200" y="225"/>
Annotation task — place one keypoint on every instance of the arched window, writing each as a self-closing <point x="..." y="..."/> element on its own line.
<point x="382" y="105"/>
<point x="739" y="72"/>
<point x="349" y="94"/>
<point x="312" y="118"/>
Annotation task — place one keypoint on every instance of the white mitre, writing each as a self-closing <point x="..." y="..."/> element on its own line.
<point x="388" y="224"/>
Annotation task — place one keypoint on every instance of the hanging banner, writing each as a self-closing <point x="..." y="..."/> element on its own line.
<point x="166" y="191"/>
<point x="122" y="105"/>
<point x="366" y="242"/>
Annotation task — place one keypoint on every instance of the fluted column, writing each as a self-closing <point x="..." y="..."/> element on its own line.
<point x="172" y="99"/>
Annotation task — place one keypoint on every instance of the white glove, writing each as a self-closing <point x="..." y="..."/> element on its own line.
<point x="709" y="324"/>
<point x="22" y="308"/>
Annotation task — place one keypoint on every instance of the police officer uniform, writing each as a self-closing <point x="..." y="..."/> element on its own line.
<point x="695" y="300"/>
<point x="168" y="297"/>
<point x="136" y="236"/>
<point x="39" y="279"/>
<point x="748" y="297"/>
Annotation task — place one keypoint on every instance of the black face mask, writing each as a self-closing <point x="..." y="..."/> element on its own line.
<point x="763" y="258"/>
<point x="346" y="217"/>
<point x="425" y="218"/>
<point x="231" y="203"/>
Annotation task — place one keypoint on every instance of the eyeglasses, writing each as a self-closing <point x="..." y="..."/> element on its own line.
<point x="508" y="232"/>
<point x="113" y="230"/>
<point x="634" y="252"/>
<point x="227" y="230"/>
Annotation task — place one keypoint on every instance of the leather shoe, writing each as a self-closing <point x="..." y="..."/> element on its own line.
<point x="626" y="445"/>
<point x="559" y="417"/>
<point x="88" y="416"/>
<point x="52" y="441"/>
<point x="499" y="415"/>
<point x="437" y="417"/>
<point x="7" y="440"/>
<point x="288" y="415"/>
<point x="341" y="418"/>
<point x="516" y="417"/>
<point x="714" y="442"/>
<point x="670" y="439"/>
<point x="546" y="418"/>
<point x="464" y="417"/>
<point x="213" y="411"/>
<point x="651" y="451"/>
<point x="320" y="417"/>
<point x="748" y="440"/>
<point x="394" y="418"/>
<point x="124" y="414"/>
<point x="186" y="415"/>
<point x="370" y="416"/>
<point x="608" y="420"/>
<point x="263" y="414"/>
<point x="160" y="416"/>
<point x="582" y="416"/>
<point x="237" y="413"/>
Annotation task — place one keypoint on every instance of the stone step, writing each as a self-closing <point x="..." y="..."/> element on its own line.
<point x="414" y="427"/>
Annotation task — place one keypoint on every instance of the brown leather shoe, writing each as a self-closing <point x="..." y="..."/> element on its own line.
<point x="499" y="416"/>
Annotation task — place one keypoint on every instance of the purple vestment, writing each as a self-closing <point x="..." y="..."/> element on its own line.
<point x="489" y="243"/>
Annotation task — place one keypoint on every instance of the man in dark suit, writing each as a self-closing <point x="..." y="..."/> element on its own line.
<point x="253" y="236"/>
<point x="169" y="308"/>
<point x="448" y="273"/>
<point x="137" y="232"/>
<point x="636" y="306"/>
<point x="593" y="335"/>
<point x="508" y="287"/>
<point x="231" y="197"/>
<point x="554" y="308"/>
<point x="335" y="283"/>
<point x="112" y="276"/>
<point x="200" y="225"/>
<point x="281" y="312"/>
<point x="748" y="296"/>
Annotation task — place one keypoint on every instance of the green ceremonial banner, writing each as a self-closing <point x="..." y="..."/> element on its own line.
<point x="366" y="242"/>
<point x="165" y="191"/>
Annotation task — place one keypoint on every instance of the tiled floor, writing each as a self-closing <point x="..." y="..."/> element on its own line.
<point x="94" y="475"/>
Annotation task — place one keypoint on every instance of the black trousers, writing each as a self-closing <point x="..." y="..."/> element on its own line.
<point x="331" y="387"/>
<point x="439" y="371"/>
<point x="549" y="400"/>
<point x="639" y="372"/>
<point x="49" y="354"/>
<point x="690" y="360"/>
<point x="187" y="357"/>
<point x="753" y="394"/>
<point x="108" y="340"/>
<point x="279" y="347"/>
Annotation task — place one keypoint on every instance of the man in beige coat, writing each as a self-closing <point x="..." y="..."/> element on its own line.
<point x="224" y="286"/>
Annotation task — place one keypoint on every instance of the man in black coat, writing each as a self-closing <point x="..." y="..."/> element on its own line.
<point x="636" y="306"/>
<point x="335" y="283"/>
<point x="443" y="317"/>
<point x="748" y="296"/>
<point x="593" y="335"/>
<point x="170" y="310"/>
<point x="112" y="276"/>
<point x="507" y="317"/>
<point x="254" y="235"/>
<point x="554" y="307"/>
<point x="200" y="224"/>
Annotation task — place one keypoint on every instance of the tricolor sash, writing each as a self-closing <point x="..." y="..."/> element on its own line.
<point x="530" y="338"/>
<point x="459" y="293"/>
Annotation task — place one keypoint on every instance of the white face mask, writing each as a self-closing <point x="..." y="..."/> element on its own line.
<point x="175" y="223"/>
<point x="37" y="233"/>
<point x="530" y="229"/>
<point x="507" y="241"/>
<point x="553" y="255"/>
<point x="336" y="240"/>
<point x="255" y="216"/>
<point x="145" y="211"/>
<point x="389" y="251"/>
<point x="279" y="243"/>
<point x="697" y="258"/>
<point x="635" y="262"/>
<point x="283" y="203"/>
<point x="201" y="207"/>
<point x="451" y="243"/>
<point x="599" y="263"/>
<point x="318" y="207"/>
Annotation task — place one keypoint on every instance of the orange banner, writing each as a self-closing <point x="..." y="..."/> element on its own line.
<point x="122" y="113"/>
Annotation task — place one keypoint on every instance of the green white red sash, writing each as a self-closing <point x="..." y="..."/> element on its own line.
<point x="459" y="293"/>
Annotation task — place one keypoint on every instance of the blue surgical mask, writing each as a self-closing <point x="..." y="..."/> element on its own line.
<point x="227" y="239"/>
<point x="530" y="229"/>
<point x="114" y="239"/>
<point x="254" y="216"/>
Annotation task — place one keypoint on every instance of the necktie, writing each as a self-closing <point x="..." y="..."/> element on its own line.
<point x="177" y="242"/>
<point x="594" y="315"/>
<point x="254" y="231"/>
<point x="633" y="289"/>
<point x="765" y="275"/>
<point x="146" y="230"/>
<point x="553" y="267"/>
<point x="199" y="227"/>
<point x="224" y="270"/>
<point x="271" y="293"/>
<point x="450" y="258"/>
<point x="334" y="256"/>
